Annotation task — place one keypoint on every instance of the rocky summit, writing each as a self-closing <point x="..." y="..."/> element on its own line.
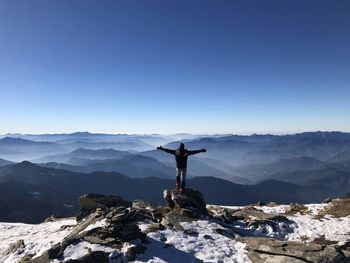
<point x="184" y="229"/>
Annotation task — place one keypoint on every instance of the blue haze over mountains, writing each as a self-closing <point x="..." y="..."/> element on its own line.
<point x="305" y="167"/>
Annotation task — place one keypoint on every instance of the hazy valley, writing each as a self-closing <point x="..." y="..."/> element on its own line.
<point x="42" y="175"/>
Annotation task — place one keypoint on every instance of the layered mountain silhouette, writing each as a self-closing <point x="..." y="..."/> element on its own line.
<point x="332" y="177"/>
<point x="133" y="166"/>
<point x="261" y="172"/>
<point x="18" y="149"/>
<point x="9" y="143"/>
<point x="4" y="162"/>
<point x="340" y="157"/>
<point x="79" y="154"/>
<point x="259" y="149"/>
<point x="150" y="139"/>
<point x="306" y="167"/>
<point x="31" y="193"/>
<point x="148" y="163"/>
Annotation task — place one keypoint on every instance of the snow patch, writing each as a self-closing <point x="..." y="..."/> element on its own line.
<point x="100" y="223"/>
<point x="37" y="238"/>
<point x="78" y="250"/>
<point x="202" y="240"/>
<point x="199" y="242"/>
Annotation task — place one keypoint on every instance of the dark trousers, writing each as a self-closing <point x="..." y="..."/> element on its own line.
<point x="181" y="177"/>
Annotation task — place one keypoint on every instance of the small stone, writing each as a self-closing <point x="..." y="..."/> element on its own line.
<point x="133" y="251"/>
<point x="327" y="200"/>
<point x="95" y="240"/>
<point x="191" y="232"/>
<point x="154" y="228"/>
<point x="296" y="208"/>
<point x="26" y="258"/>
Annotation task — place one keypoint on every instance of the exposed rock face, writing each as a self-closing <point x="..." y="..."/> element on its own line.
<point x="296" y="208"/>
<point x="248" y="214"/>
<point x="93" y="257"/>
<point x="110" y="222"/>
<point x="119" y="225"/>
<point x="345" y="249"/>
<point x="14" y="247"/>
<point x="90" y="202"/>
<point x="173" y="219"/>
<point x="191" y="203"/>
<point x="184" y="207"/>
<point x="263" y="250"/>
<point x="327" y="200"/>
<point x="154" y="228"/>
<point x="254" y="219"/>
<point x="52" y="218"/>
<point x="149" y="211"/>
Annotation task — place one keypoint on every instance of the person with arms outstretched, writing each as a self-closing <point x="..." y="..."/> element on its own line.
<point x="181" y="156"/>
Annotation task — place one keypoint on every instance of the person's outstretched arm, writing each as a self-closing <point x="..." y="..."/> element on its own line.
<point x="166" y="150"/>
<point x="196" y="151"/>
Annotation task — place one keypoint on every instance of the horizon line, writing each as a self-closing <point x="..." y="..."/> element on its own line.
<point x="176" y="134"/>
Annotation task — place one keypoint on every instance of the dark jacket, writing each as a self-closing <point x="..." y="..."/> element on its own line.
<point x="181" y="156"/>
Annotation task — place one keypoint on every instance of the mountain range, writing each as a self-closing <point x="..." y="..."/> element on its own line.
<point x="258" y="149"/>
<point x="239" y="170"/>
<point x="30" y="193"/>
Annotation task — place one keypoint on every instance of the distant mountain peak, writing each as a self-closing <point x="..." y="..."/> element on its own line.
<point x="12" y="139"/>
<point x="26" y="165"/>
<point x="81" y="133"/>
<point x="16" y="140"/>
<point x="84" y="150"/>
<point x="4" y="162"/>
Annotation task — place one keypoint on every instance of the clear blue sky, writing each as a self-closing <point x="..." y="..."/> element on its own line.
<point x="174" y="66"/>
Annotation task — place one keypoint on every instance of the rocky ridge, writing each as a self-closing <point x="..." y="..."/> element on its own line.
<point x="122" y="230"/>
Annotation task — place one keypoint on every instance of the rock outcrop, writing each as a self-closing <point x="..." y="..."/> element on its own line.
<point x="149" y="211"/>
<point x="296" y="208"/>
<point x="110" y="222"/>
<point x="14" y="247"/>
<point x="104" y="223"/>
<point x="249" y="215"/>
<point x="90" y="202"/>
<point x="184" y="207"/>
<point x="263" y="250"/>
<point x="191" y="203"/>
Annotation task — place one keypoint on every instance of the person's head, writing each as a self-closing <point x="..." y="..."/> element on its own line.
<point x="182" y="147"/>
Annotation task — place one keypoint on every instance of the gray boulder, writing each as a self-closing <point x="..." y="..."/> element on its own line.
<point x="93" y="257"/>
<point x="267" y="250"/>
<point x="248" y="214"/>
<point x="120" y="225"/>
<point x="191" y="203"/>
<point x="148" y="211"/>
<point x="295" y="208"/>
<point x="327" y="200"/>
<point x="90" y="202"/>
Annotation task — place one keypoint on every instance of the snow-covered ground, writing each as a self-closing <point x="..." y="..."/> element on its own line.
<point x="37" y="238"/>
<point x="201" y="240"/>
<point x="306" y="227"/>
